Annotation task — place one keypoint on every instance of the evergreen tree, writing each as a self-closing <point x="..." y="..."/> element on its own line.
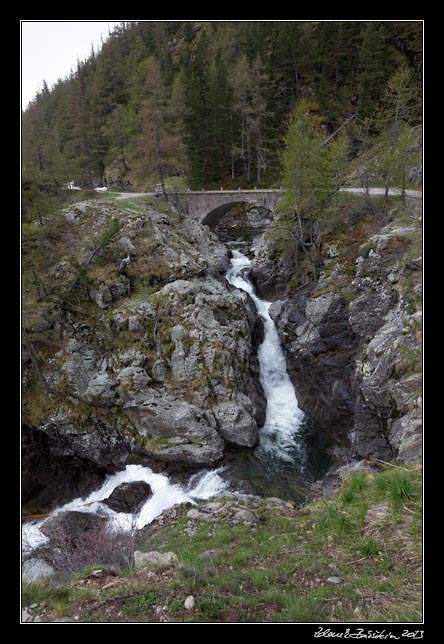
<point x="400" y="109"/>
<point x="233" y="84"/>
<point x="311" y="173"/>
<point x="197" y="110"/>
<point x="372" y="72"/>
<point x="161" y="144"/>
<point x="84" y="162"/>
<point x="402" y="99"/>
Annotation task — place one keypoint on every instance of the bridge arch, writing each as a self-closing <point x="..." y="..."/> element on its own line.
<point x="215" y="215"/>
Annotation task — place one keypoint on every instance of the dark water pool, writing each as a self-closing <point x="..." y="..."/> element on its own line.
<point x="253" y="472"/>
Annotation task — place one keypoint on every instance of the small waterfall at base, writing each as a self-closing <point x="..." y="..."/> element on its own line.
<point x="289" y="451"/>
<point x="201" y="486"/>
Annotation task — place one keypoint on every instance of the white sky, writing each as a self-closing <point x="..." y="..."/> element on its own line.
<point x="50" y="49"/>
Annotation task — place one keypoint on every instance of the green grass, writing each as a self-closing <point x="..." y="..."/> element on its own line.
<point x="398" y="486"/>
<point x="34" y="593"/>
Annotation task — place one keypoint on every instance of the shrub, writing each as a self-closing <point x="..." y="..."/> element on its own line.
<point x="99" y="546"/>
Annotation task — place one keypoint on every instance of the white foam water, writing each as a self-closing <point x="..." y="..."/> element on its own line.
<point x="279" y="435"/>
<point x="201" y="486"/>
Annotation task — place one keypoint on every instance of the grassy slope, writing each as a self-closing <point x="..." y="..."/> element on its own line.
<point x="368" y="536"/>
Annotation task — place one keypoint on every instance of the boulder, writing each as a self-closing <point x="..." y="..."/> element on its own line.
<point x="36" y="570"/>
<point x="102" y="296"/>
<point x="129" y="497"/>
<point x="235" y="425"/>
<point x="155" y="559"/>
<point x="246" y="516"/>
<point x="101" y="387"/>
<point x="133" y="378"/>
<point x="164" y="417"/>
<point x="71" y="526"/>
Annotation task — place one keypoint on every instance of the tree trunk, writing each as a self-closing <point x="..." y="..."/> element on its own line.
<point x="387" y="188"/>
<point x="403" y="184"/>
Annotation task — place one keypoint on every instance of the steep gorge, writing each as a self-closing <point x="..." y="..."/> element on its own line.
<point x="353" y="335"/>
<point x="153" y="359"/>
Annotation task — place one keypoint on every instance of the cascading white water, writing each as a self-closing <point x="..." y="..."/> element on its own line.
<point x="279" y="435"/>
<point x="201" y="486"/>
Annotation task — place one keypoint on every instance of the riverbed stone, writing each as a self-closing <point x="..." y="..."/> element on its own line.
<point x="129" y="497"/>
<point x="71" y="526"/>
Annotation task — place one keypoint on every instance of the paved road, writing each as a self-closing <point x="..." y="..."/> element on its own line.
<point x="416" y="194"/>
<point x="132" y="195"/>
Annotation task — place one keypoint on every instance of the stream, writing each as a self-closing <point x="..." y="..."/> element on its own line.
<point x="291" y="453"/>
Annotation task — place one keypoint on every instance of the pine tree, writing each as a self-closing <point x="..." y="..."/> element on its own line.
<point x="402" y="99"/>
<point x="161" y="145"/>
<point x="197" y="110"/>
<point x="83" y="158"/>
<point x="311" y="174"/>
<point x="400" y="109"/>
<point x="372" y="71"/>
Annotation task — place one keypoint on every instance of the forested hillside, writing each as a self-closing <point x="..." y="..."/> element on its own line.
<point x="209" y="102"/>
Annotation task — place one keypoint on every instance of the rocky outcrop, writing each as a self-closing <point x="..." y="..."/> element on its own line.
<point x="270" y="271"/>
<point x="321" y="347"/>
<point x="153" y="363"/>
<point x="354" y="344"/>
<point x="235" y="425"/>
<point x="53" y="473"/>
<point x="388" y="418"/>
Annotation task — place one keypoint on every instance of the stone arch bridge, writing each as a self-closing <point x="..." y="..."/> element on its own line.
<point x="209" y="206"/>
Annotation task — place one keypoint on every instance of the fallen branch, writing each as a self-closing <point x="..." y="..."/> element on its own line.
<point x="411" y="511"/>
<point x="163" y="593"/>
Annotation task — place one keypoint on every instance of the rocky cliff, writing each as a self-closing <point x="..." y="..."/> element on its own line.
<point x="353" y="336"/>
<point x="146" y="355"/>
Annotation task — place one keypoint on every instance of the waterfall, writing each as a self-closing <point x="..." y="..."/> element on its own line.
<point x="279" y="436"/>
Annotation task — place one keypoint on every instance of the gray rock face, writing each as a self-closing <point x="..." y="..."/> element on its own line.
<point x="133" y="378"/>
<point x="187" y="434"/>
<point x="236" y="425"/>
<point x="54" y="473"/>
<point x="142" y="373"/>
<point x="320" y="347"/>
<point x="269" y="274"/>
<point x="356" y="366"/>
<point x="388" y="413"/>
<point x="101" y="387"/>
